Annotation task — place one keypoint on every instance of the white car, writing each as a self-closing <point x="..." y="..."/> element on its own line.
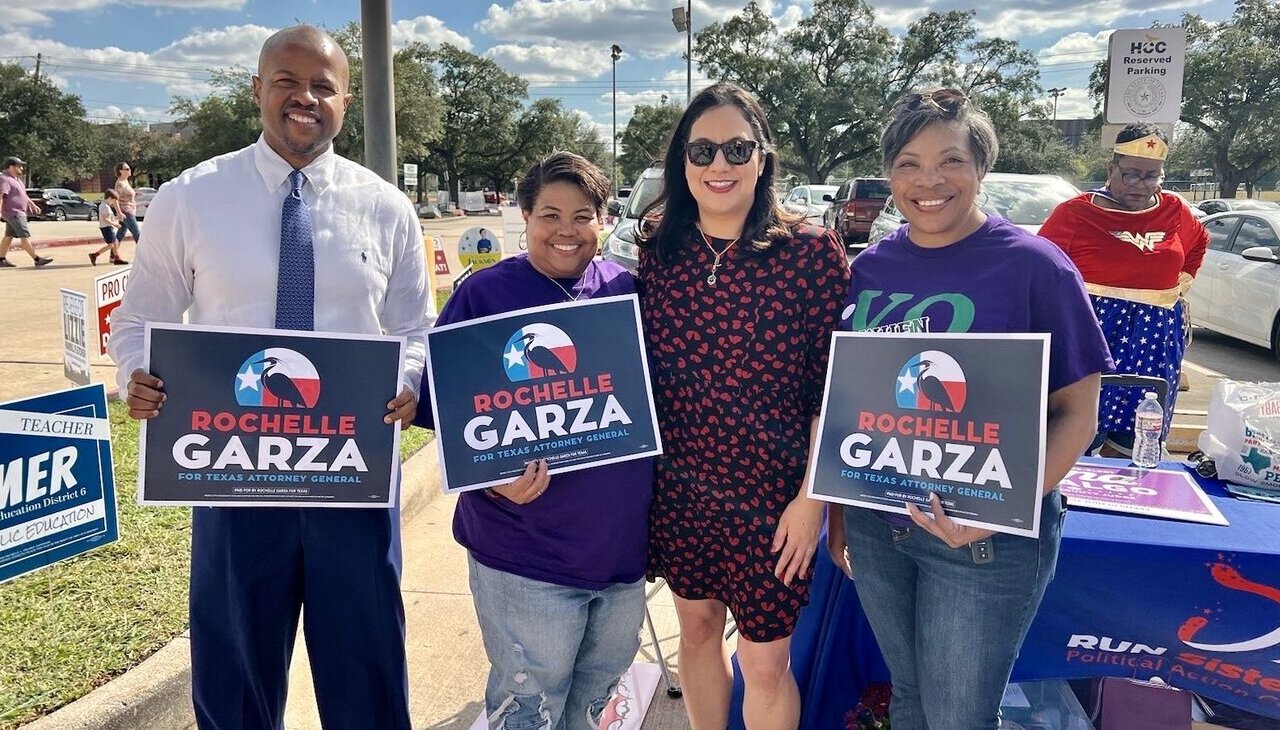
<point x="810" y="200"/>
<point x="1024" y="200"/>
<point x="142" y="199"/>
<point x="1237" y="290"/>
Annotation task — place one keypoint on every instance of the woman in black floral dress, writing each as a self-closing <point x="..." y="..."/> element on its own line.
<point x="739" y="300"/>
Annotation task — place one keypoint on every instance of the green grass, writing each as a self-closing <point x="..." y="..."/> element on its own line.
<point x="73" y="626"/>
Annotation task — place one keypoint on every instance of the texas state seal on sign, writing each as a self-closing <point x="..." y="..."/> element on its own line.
<point x="1144" y="97"/>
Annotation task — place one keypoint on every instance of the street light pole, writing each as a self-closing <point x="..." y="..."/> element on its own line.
<point x="1055" y="93"/>
<point x="615" y="52"/>
<point x="682" y="19"/>
<point x="688" y="53"/>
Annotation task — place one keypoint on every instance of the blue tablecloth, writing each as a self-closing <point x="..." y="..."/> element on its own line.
<point x="1197" y="605"/>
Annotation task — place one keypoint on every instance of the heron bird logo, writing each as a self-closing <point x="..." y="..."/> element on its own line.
<point x="931" y="381"/>
<point x="538" y="350"/>
<point x="277" y="377"/>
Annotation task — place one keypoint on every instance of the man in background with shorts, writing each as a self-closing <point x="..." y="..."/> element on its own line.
<point x="14" y="205"/>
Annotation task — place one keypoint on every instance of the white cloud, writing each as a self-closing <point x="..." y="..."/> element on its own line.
<point x="1075" y="47"/>
<point x="428" y="30"/>
<point x="640" y="26"/>
<point x="1075" y="103"/>
<point x="114" y="113"/>
<point x="28" y="13"/>
<point x="540" y="64"/>
<point x="235" y="45"/>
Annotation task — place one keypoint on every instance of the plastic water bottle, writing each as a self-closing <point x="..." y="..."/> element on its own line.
<point x="1148" y="422"/>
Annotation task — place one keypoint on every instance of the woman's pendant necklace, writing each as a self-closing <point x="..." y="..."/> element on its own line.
<point x="581" y="288"/>
<point x="715" y="264"/>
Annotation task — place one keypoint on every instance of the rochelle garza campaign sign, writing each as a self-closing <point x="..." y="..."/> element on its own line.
<point x="57" y="487"/>
<point x="270" y="418"/>
<point x="959" y="415"/>
<point x="568" y="383"/>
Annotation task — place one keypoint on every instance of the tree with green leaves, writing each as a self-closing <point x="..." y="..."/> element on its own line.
<point x="419" y="109"/>
<point x="481" y="102"/>
<point x="1232" y="83"/>
<point x="826" y="83"/>
<point x="45" y="127"/>
<point x="224" y="121"/>
<point x="646" y="137"/>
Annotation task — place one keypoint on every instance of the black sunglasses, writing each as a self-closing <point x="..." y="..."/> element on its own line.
<point x="736" y="152"/>
<point x="947" y="101"/>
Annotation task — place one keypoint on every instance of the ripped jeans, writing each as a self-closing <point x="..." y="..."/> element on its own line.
<point x="555" y="652"/>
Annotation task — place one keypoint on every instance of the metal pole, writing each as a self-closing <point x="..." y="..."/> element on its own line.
<point x="39" y="57"/>
<point x="379" y="89"/>
<point x="615" y="52"/>
<point x="613" y="168"/>
<point x="688" y="55"/>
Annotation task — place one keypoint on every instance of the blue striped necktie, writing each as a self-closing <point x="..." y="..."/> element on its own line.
<point x="296" y="280"/>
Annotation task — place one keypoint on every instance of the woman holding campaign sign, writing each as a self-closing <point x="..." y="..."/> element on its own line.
<point x="556" y="563"/>
<point x="739" y="300"/>
<point x="951" y="603"/>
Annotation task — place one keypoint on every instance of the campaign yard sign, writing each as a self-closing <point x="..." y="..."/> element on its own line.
<point x="270" y="418"/>
<point x="75" y="336"/>
<point x="108" y="291"/>
<point x="57" y="484"/>
<point x="568" y="383"/>
<point x="959" y="415"/>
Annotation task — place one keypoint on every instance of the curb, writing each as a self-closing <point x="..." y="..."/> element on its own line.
<point x="156" y="694"/>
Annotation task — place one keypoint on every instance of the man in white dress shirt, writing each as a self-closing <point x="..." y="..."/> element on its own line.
<point x="252" y="569"/>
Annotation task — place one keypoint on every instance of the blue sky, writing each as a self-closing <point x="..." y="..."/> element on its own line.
<point x="131" y="57"/>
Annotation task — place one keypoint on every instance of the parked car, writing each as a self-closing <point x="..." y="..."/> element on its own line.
<point x="856" y="204"/>
<point x="1222" y="205"/>
<point x="142" y="199"/>
<point x="810" y="200"/>
<point x="60" y="204"/>
<point x="1025" y="200"/>
<point x="1237" y="291"/>
<point x="620" y="246"/>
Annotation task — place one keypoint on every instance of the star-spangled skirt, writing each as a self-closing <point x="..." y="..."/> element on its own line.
<point x="1144" y="340"/>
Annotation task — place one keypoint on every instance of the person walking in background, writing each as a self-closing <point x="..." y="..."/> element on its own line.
<point x="14" y="206"/>
<point x="950" y="603"/>
<point x="556" y="563"/>
<point x="739" y="300"/>
<point x="1138" y="249"/>
<point x="107" y="221"/>
<point x="128" y="204"/>
<point x="324" y="244"/>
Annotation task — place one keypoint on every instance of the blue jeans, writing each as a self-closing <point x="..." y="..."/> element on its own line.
<point x="949" y="628"/>
<point x="129" y="222"/>
<point x="555" y="652"/>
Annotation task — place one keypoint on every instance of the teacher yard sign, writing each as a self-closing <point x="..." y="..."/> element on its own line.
<point x="959" y="415"/>
<point x="568" y="383"/>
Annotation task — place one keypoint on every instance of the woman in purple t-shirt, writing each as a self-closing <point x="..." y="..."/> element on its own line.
<point x="950" y="603"/>
<point x="556" y="563"/>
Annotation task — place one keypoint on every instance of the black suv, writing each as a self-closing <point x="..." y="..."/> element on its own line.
<point x="60" y="204"/>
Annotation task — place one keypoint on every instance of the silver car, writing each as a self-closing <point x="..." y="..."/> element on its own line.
<point x="811" y="201"/>
<point x="620" y="246"/>
<point x="142" y="199"/>
<point x="1237" y="290"/>
<point x="1024" y="200"/>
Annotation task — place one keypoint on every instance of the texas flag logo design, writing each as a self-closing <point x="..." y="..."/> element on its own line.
<point x="277" y="377"/>
<point x="539" y="350"/>
<point x="931" y="381"/>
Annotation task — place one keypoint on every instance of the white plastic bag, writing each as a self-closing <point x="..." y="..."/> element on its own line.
<point x="1243" y="435"/>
